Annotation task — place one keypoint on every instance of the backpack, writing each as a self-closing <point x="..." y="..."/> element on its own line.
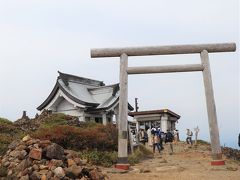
<point x="145" y="137"/>
<point x="169" y="137"/>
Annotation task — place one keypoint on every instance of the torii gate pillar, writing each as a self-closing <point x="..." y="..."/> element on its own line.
<point x="123" y="115"/>
<point x="211" y="110"/>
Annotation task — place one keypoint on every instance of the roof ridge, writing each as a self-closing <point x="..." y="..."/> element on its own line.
<point x="66" y="77"/>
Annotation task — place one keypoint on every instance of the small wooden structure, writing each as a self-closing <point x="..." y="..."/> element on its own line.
<point x="202" y="49"/>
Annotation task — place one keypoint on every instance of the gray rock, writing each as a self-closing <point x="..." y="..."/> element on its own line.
<point x="24" y="177"/>
<point x="54" y="151"/>
<point x="73" y="171"/>
<point x="35" y="176"/>
<point x="13" y="145"/>
<point x="14" y="153"/>
<point x="59" y="172"/>
<point x="23" y="165"/>
<point x="22" y="154"/>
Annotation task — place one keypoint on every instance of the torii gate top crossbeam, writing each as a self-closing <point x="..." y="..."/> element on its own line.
<point x="163" y="50"/>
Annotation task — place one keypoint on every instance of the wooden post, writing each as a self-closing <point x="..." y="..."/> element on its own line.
<point x="211" y="109"/>
<point x="123" y="114"/>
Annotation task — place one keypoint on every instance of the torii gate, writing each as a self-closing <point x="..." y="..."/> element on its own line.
<point x="203" y="49"/>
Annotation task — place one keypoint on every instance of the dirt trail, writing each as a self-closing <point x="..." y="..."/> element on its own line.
<point x="185" y="164"/>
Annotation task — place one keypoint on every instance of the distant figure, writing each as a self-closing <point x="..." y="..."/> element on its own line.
<point x="156" y="142"/>
<point x="189" y="136"/>
<point x="169" y="139"/>
<point x="176" y="135"/>
<point x="150" y="143"/>
<point x="239" y="140"/>
<point x="142" y="136"/>
<point x="160" y="138"/>
<point x="196" y="134"/>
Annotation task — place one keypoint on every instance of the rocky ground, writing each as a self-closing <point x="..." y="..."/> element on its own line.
<point x="185" y="163"/>
<point x="34" y="159"/>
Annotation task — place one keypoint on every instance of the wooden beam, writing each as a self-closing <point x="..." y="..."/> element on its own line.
<point x="123" y="112"/>
<point x="163" y="50"/>
<point x="211" y="108"/>
<point x="165" y="69"/>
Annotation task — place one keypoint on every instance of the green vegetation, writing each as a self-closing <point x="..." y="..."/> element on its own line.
<point x="54" y="120"/>
<point x="3" y="171"/>
<point x="202" y="142"/>
<point x="8" y="133"/>
<point x="102" y="158"/>
<point x="139" y="154"/>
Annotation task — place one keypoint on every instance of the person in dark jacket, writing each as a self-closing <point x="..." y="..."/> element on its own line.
<point x="169" y="139"/>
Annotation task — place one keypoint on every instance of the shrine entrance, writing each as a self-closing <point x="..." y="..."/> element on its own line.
<point x="202" y="49"/>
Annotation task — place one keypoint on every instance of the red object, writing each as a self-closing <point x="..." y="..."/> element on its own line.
<point x="122" y="166"/>
<point x="218" y="163"/>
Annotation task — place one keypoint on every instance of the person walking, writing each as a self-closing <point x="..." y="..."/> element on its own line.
<point x="189" y="136"/>
<point x="150" y="143"/>
<point x="156" y="142"/>
<point x="169" y="140"/>
<point x="141" y="136"/>
<point x="175" y="134"/>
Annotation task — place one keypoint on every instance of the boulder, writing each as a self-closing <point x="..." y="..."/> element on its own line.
<point x="36" y="154"/>
<point x="24" y="177"/>
<point x="73" y="171"/>
<point x="59" y="172"/>
<point x="23" y="165"/>
<point x="26" y="138"/>
<point x="96" y="175"/>
<point x="54" y="151"/>
<point x="70" y="162"/>
<point x="35" y="176"/>
<point x="13" y="145"/>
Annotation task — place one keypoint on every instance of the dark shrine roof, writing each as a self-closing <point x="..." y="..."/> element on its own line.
<point x="160" y="111"/>
<point x="92" y="94"/>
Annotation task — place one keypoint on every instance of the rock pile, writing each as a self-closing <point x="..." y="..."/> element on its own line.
<point x="231" y="153"/>
<point x="34" y="159"/>
<point x="27" y="124"/>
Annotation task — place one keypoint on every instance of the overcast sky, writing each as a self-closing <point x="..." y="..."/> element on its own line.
<point x="38" y="38"/>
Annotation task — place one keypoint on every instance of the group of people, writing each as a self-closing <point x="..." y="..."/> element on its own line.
<point x="155" y="137"/>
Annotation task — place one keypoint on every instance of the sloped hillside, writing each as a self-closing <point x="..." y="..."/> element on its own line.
<point x="8" y="133"/>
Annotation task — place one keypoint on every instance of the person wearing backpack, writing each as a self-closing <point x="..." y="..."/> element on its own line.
<point x="189" y="136"/>
<point x="156" y="142"/>
<point x="169" y="139"/>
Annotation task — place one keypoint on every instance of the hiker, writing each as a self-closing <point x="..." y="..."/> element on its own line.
<point x="239" y="140"/>
<point x="189" y="136"/>
<point x="176" y="136"/>
<point x="149" y="134"/>
<point x="169" y="140"/>
<point x="156" y="142"/>
<point x="141" y="136"/>
<point x="160" y="138"/>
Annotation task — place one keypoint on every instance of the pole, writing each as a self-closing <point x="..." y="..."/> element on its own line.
<point x="211" y="110"/>
<point x="123" y="114"/>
